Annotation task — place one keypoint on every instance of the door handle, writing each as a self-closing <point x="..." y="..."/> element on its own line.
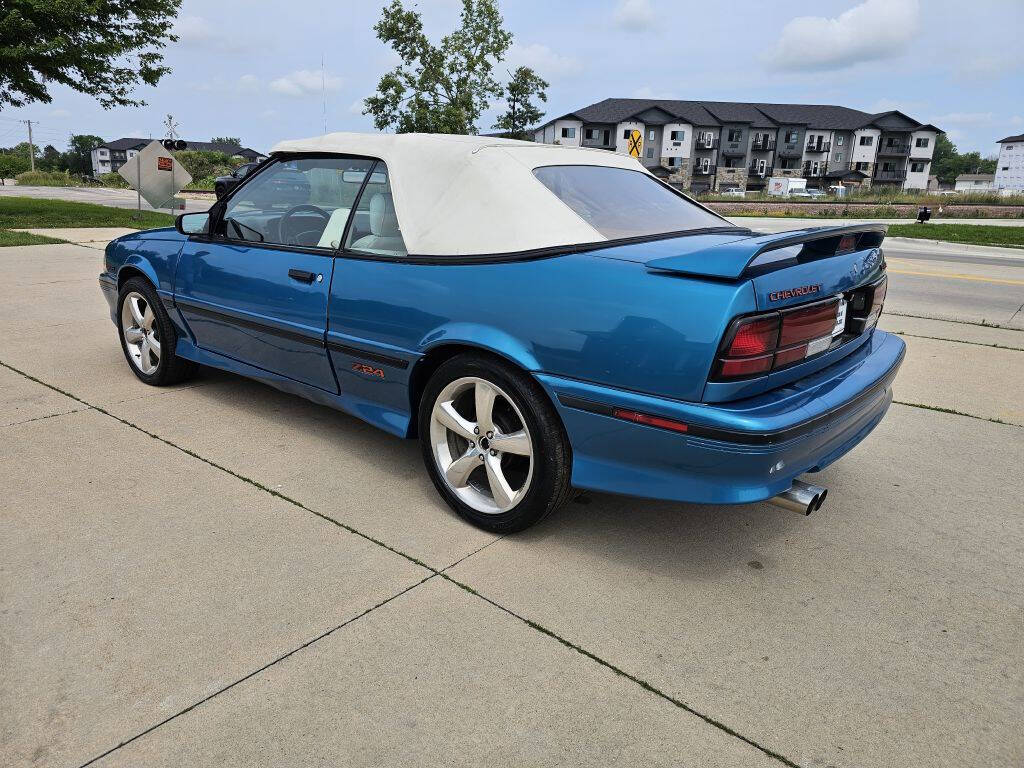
<point x="302" y="275"/>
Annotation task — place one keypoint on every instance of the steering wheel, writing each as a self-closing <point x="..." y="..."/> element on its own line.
<point x="305" y="208"/>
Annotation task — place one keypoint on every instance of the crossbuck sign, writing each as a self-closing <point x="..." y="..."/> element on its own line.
<point x="156" y="175"/>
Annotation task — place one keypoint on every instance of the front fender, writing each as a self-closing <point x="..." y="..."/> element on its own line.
<point x="481" y="336"/>
<point x="137" y="263"/>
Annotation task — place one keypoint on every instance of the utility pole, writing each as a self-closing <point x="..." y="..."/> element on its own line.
<point x="31" y="146"/>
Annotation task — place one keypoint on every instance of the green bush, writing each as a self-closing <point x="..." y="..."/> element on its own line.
<point x="113" y="180"/>
<point x="206" y="165"/>
<point x="48" y="179"/>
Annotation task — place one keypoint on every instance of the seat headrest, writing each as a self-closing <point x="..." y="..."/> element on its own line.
<point x="383" y="221"/>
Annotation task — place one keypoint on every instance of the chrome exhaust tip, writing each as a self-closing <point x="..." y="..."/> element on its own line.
<point x="802" y="498"/>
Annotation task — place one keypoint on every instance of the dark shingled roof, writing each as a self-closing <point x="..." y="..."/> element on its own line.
<point x="1018" y="137"/>
<point x="206" y="146"/>
<point x="757" y="115"/>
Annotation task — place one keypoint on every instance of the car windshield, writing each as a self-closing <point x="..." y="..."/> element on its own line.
<point x="619" y="203"/>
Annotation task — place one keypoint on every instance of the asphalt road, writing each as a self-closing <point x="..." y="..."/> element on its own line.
<point x="219" y="573"/>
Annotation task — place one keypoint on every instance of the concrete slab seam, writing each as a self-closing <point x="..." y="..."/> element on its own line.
<point x="48" y="416"/>
<point x="434" y="572"/>
<point x="940" y="409"/>
<point x="255" y="672"/>
<point x="958" y="341"/>
<point x="983" y="324"/>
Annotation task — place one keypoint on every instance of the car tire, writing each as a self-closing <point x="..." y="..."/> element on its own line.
<point x="148" y="337"/>
<point x="507" y="471"/>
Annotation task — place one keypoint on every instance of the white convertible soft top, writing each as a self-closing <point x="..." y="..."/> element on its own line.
<point x="472" y="195"/>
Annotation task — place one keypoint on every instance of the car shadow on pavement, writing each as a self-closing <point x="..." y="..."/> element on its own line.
<point x="682" y="540"/>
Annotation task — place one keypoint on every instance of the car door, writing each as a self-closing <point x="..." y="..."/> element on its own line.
<point x="256" y="289"/>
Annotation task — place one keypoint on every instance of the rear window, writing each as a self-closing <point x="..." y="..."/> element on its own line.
<point x="621" y="203"/>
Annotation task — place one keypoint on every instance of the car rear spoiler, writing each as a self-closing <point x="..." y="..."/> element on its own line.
<point x="730" y="261"/>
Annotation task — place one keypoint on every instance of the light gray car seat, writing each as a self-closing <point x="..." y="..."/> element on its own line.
<point x="384" y="237"/>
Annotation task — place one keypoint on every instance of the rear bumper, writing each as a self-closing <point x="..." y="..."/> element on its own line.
<point x="108" y="284"/>
<point x="733" y="453"/>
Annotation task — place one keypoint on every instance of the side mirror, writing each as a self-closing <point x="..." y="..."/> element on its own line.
<point x="193" y="223"/>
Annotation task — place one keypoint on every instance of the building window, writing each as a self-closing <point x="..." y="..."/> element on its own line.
<point x="917" y="167"/>
<point x="103" y="153"/>
<point x="568" y="133"/>
<point x="735" y="134"/>
<point x="791" y="137"/>
<point x="839" y="157"/>
<point x="922" y="142"/>
<point x="590" y="134"/>
<point x="678" y="135"/>
<point x="650" y="153"/>
<point x="867" y="141"/>
<point x="650" y="135"/>
<point x="626" y="133"/>
<point x="839" y="142"/>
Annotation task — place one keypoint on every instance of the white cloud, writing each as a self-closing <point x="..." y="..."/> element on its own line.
<point x="60" y="113"/>
<point x="542" y="60"/>
<point x="356" y="107"/>
<point x="304" y="82"/>
<point x="873" y="30"/>
<point x="634" y="15"/>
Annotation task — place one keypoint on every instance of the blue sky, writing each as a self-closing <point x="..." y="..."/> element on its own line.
<point x="253" y="69"/>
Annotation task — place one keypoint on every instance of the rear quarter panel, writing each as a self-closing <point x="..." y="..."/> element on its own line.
<point x="594" y="319"/>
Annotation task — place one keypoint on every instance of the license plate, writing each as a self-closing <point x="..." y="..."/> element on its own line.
<point x="840" y="317"/>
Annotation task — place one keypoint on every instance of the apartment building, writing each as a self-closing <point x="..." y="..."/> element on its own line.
<point x="110" y="156"/>
<point x="713" y="145"/>
<point x="1010" y="166"/>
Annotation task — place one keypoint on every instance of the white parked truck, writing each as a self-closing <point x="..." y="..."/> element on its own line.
<point x="784" y="186"/>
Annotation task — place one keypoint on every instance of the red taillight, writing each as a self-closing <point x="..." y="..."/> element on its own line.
<point x="764" y="343"/>
<point x="806" y="324"/>
<point x="755" y="336"/>
<point x="649" y="420"/>
<point x="745" y="366"/>
<point x="791" y="355"/>
<point x="878" y="299"/>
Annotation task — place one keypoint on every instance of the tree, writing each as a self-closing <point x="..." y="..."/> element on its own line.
<point x="78" y="158"/>
<point x="11" y="165"/>
<point x="948" y="163"/>
<point x="51" y="159"/>
<point x="102" y="48"/>
<point x="22" y="149"/>
<point x="439" y="88"/>
<point x="232" y="140"/>
<point x="521" y="112"/>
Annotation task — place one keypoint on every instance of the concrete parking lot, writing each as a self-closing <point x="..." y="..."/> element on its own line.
<point x="222" y="574"/>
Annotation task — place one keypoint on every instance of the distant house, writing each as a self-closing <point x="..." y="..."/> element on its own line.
<point x="975" y="182"/>
<point x="110" y="156"/>
<point x="1010" y="166"/>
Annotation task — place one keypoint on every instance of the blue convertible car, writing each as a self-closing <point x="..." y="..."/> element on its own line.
<point x="539" y="317"/>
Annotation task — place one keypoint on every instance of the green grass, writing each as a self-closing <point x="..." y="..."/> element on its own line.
<point x="8" y="238"/>
<point x="27" y="212"/>
<point x="972" y="234"/>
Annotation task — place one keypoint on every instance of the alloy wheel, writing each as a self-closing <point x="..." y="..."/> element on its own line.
<point x="481" y="445"/>
<point x="141" y="334"/>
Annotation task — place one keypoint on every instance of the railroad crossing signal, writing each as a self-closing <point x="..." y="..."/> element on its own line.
<point x="635" y="143"/>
